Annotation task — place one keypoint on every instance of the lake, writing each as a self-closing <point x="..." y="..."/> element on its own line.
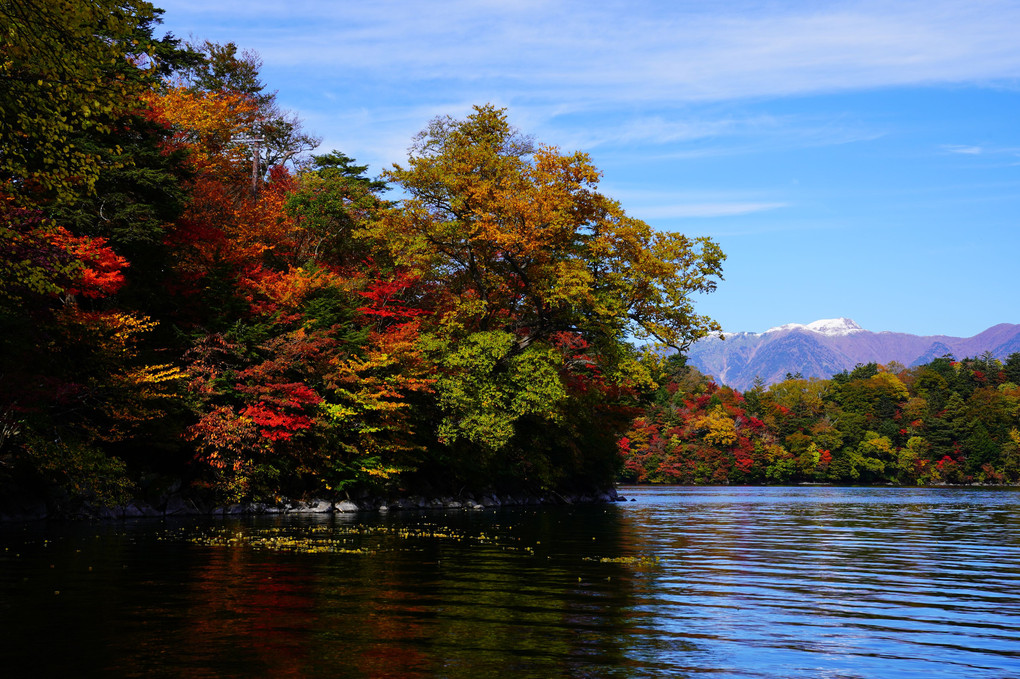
<point x="681" y="582"/>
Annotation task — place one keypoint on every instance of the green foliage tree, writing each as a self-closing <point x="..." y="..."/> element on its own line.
<point x="1011" y="368"/>
<point x="332" y="201"/>
<point x="70" y="69"/>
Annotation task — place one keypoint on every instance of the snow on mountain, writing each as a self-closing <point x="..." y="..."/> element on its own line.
<point x="833" y="327"/>
<point x="825" y="347"/>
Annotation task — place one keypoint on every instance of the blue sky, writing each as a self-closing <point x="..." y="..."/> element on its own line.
<point x="857" y="159"/>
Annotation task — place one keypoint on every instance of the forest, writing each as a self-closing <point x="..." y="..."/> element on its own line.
<point x="193" y="294"/>
<point x="946" y="422"/>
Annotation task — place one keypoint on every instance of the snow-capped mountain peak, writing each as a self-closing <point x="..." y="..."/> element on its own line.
<point x="826" y="326"/>
<point x="826" y="347"/>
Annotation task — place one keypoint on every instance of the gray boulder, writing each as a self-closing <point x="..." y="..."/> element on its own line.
<point x="134" y="510"/>
<point x="316" y="506"/>
<point x="178" y="506"/>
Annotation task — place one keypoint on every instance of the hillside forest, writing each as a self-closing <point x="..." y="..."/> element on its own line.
<point x="192" y="294"/>
<point x="946" y="422"/>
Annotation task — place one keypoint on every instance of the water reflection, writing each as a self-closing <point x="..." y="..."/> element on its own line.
<point x="736" y="582"/>
<point x="459" y="594"/>
<point x="838" y="582"/>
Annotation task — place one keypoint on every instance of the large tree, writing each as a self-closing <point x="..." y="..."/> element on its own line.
<point x="539" y="285"/>
<point x="520" y="235"/>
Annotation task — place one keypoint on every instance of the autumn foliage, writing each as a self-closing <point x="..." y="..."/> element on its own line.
<point x="945" y="422"/>
<point x="187" y="294"/>
<point x="189" y="298"/>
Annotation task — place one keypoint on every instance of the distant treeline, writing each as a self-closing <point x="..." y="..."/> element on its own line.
<point x="947" y="422"/>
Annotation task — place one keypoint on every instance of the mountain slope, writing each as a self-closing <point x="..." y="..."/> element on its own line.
<point x="828" y="346"/>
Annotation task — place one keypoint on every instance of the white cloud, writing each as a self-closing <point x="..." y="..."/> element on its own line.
<point x="688" y="210"/>
<point x="368" y="75"/>
<point x="964" y="150"/>
<point x="982" y="150"/>
<point x="654" y="51"/>
<point x="658" y="205"/>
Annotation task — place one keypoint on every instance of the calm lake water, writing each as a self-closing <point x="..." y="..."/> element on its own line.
<point x="682" y="582"/>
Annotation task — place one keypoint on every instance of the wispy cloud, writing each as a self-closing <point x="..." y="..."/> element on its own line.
<point x="694" y="124"/>
<point x="663" y="205"/>
<point x="368" y="75"/>
<point x="982" y="150"/>
<point x="964" y="150"/>
<point x="653" y="51"/>
<point x="688" y="210"/>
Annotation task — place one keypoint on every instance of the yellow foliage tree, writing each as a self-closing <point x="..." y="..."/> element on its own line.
<point x="719" y="428"/>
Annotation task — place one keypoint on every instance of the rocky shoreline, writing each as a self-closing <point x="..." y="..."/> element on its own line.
<point x="181" y="505"/>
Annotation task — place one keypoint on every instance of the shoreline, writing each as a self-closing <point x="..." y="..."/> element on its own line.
<point x="181" y="505"/>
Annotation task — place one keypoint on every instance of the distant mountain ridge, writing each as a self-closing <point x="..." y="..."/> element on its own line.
<point x="828" y="346"/>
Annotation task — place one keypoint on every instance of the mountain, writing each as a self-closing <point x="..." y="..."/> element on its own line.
<point x="826" y="347"/>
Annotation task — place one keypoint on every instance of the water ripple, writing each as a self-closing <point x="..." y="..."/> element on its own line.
<point x="836" y="582"/>
<point x="763" y="583"/>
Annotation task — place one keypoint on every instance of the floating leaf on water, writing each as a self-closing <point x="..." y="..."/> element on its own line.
<point x="640" y="560"/>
